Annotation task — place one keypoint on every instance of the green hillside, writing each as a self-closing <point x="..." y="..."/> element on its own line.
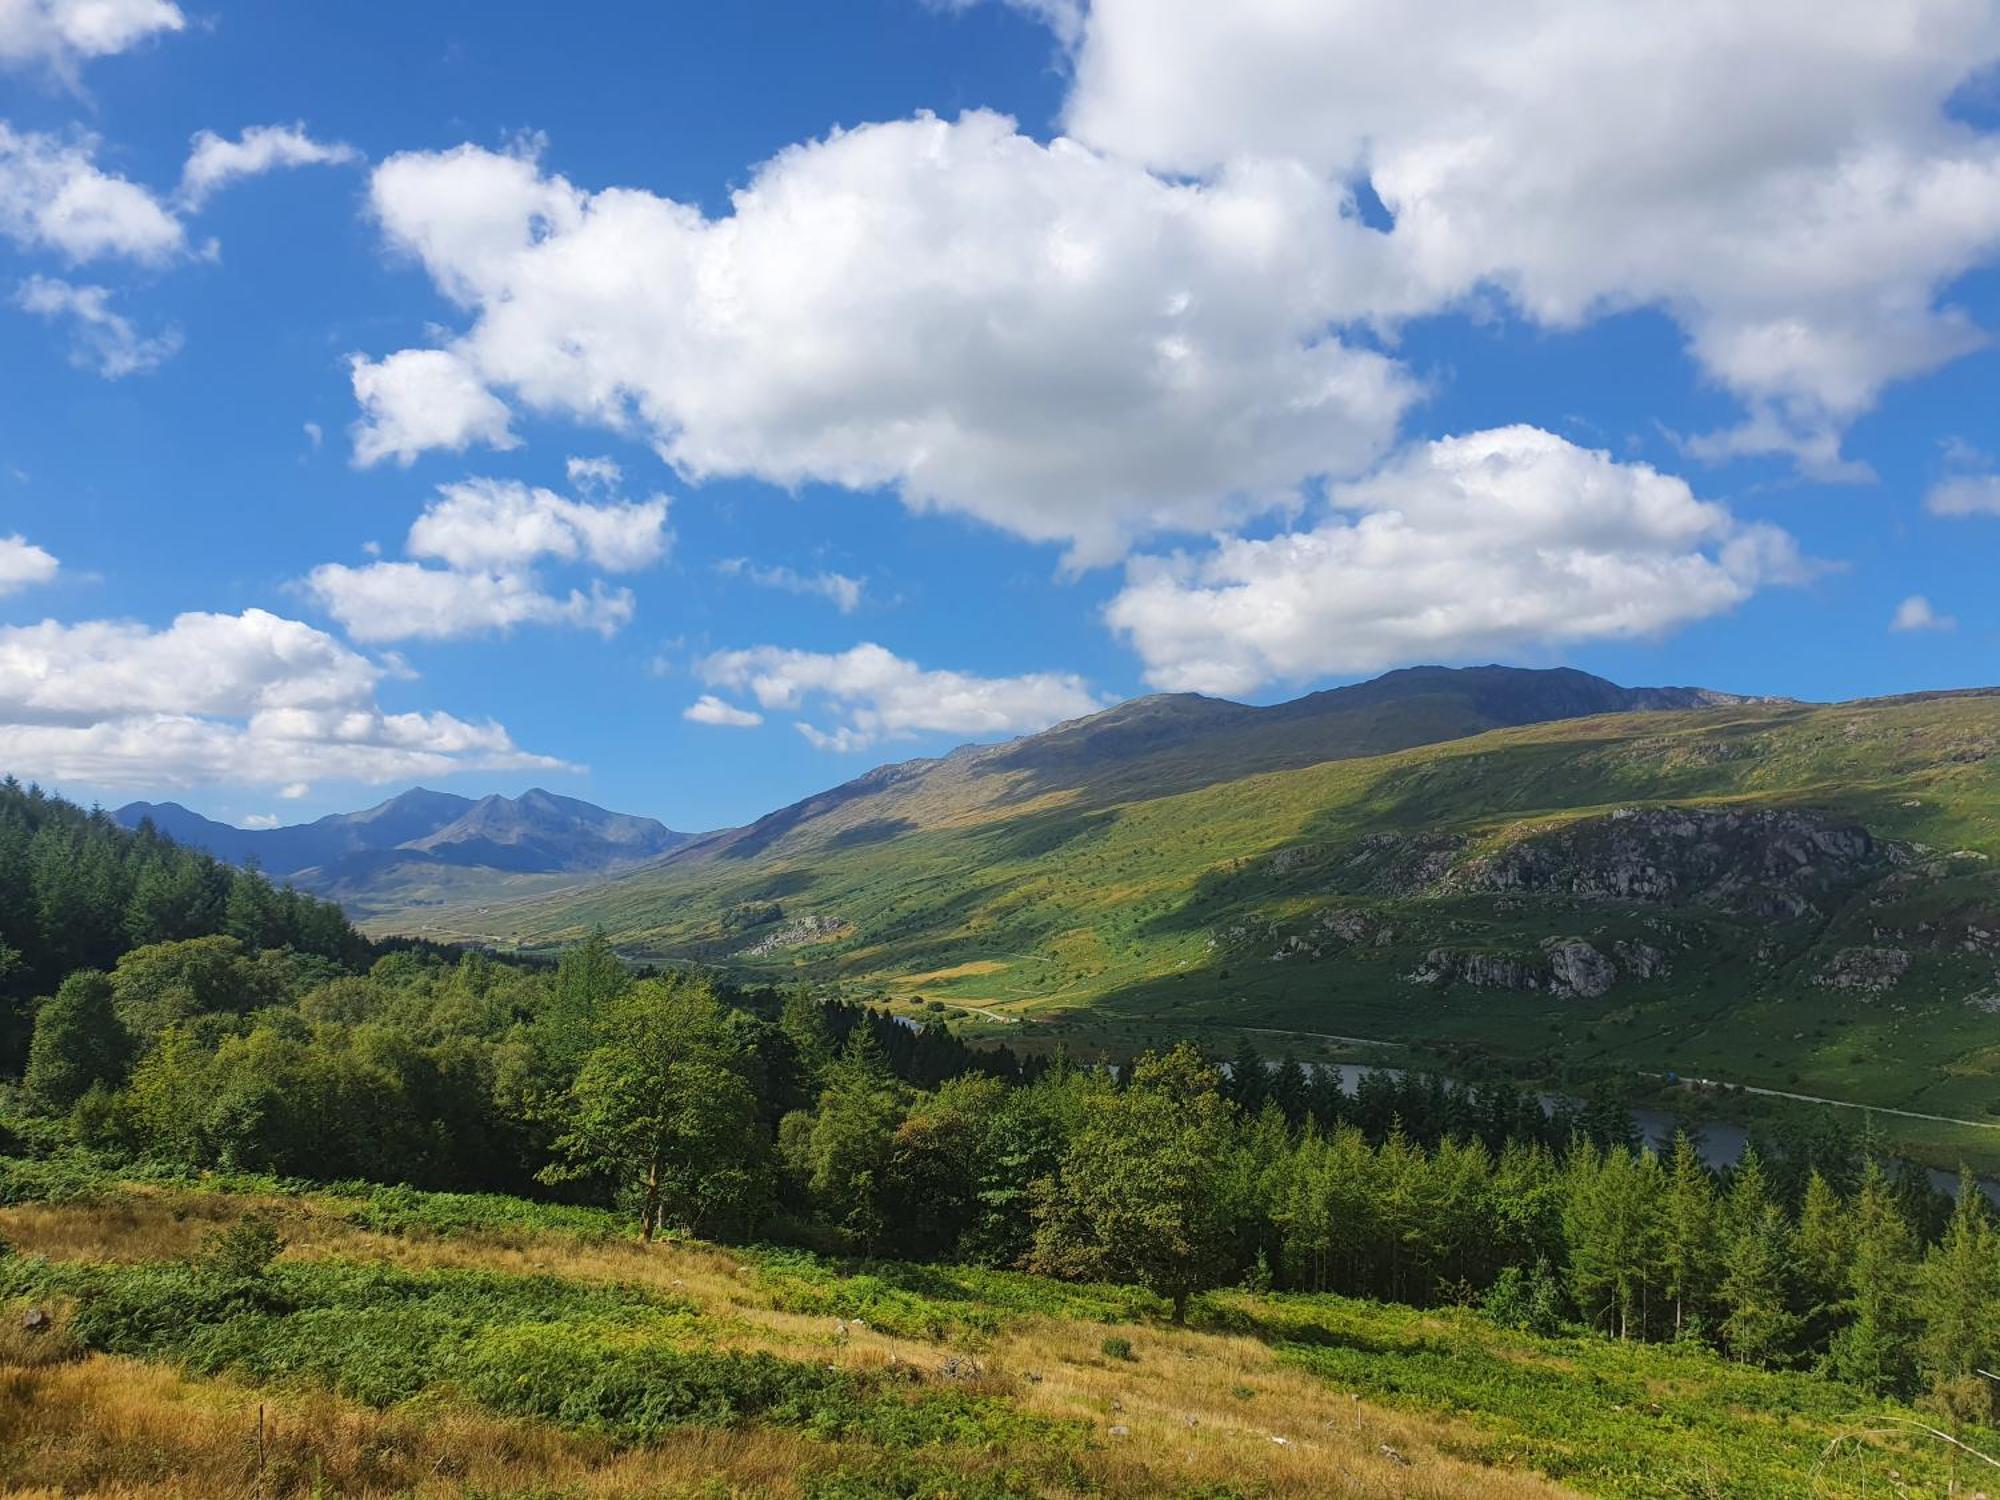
<point x="1791" y="896"/>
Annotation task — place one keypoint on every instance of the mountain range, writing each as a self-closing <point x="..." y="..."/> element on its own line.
<point x="403" y="852"/>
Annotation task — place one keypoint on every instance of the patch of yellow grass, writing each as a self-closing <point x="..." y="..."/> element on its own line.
<point x="115" y="1429"/>
<point x="973" y="970"/>
<point x="1189" y="1409"/>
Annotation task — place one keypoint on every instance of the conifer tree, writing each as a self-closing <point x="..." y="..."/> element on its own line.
<point x="1824" y="1254"/>
<point x="1689" y="1246"/>
<point x="1958" y="1301"/>
<point x="1758" y="1323"/>
<point x="1613" y="1224"/>
<point x="1876" y="1347"/>
<point x="1249" y="1082"/>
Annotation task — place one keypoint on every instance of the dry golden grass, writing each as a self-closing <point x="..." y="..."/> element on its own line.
<point x="1188" y="1409"/>
<point x="113" y="1429"/>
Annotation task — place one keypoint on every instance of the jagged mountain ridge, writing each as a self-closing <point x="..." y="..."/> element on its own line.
<point x="538" y="832"/>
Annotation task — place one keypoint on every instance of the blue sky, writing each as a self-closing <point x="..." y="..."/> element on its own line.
<point x="1234" y="363"/>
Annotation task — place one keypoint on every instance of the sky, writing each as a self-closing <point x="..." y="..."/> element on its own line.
<point x="688" y="407"/>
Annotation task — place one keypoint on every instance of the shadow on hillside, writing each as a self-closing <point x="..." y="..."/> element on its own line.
<point x="1271" y="1326"/>
<point x="1040" y="834"/>
<point x="779" y="885"/>
<point x="879" y="831"/>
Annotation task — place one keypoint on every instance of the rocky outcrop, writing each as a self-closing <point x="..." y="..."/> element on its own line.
<point x="1404" y="863"/>
<point x="1576" y="968"/>
<point x="1640" y="960"/>
<point x="1568" y="967"/>
<point x="1755" y="862"/>
<point x="797" y="933"/>
<point x="1481" y="971"/>
<point x="1868" y="970"/>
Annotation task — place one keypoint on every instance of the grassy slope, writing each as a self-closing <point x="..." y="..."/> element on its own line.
<point x="412" y="1350"/>
<point x="1062" y="912"/>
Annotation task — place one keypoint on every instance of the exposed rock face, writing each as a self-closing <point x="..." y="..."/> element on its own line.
<point x="1356" y="926"/>
<point x="798" y="932"/>
<point x="1297" y="857"/>
<point x="1483" y="971"/>
<point x="1870" y="970"/>
<point x="1404" y="862"/>
<point x="1576" y="968"/>
<point x="1756" y="862"/>
<point x="1640" y="960"/>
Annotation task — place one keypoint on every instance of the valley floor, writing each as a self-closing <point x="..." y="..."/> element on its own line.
<point x="432" y="1345"/>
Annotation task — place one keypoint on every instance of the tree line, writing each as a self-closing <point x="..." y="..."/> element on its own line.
<point x="77" y="891"/>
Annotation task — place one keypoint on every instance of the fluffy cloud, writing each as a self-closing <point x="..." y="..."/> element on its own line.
<point x="1054" y="342"/>
<point x="497" y="523"/>
<point x="420" y="399"/>
<point x="62" y="33"/>
<point x="1965" y="495"/>
<point x="251" y="699"/>
<point x="1784" y="178"/>
<point x="709" y="709"/>
<point x="396" y="601"/>
<point x="54" y="196"/>
<point x="879" y="695"/>
<point x="1916" y="613"/>
<point x="1469" y="546"/>
<point x="102" y="340"/>
<point x="23" y="564"/>
<point x="489" y="534"/>
<point x="838" y="589"/>
<point x="214" y="162"/>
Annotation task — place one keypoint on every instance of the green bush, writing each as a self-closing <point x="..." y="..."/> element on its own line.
<point x="1117" y="1348"/>
<point x="241" y="1250"/>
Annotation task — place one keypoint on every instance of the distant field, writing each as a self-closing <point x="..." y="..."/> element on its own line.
<point x="431" y="1345"/>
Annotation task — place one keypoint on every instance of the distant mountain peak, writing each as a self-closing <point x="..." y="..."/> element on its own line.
<point x="538" y="832"/>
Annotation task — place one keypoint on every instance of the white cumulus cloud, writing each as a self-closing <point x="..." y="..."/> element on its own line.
<point x="1784" y="178"/>
<point x="23" y="564"/>
<point x="54" y="196"/>
<point x="62" y="33"/>
<point x="1468" y="546"/>
<point x="1058" y="343"/>
<point x="1916" y="613"/>
<point x="490" y="535"/>
<point x="250" y="699"/>
<point x="421" y="399"/>
<point x="709" y="709"/>
<point x="497" y="523"/>
<point x="395" y="601"/>
<point x="214" y="162"/>
<point x="1965" y="495"/>
<point x="102" y="339"/>
<point x="876" y="695"/>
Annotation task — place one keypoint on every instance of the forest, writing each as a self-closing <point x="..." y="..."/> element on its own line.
<point x="176" y="1015"/>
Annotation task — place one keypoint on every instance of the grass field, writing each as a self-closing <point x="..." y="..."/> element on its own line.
<point x="418" y="1344"/>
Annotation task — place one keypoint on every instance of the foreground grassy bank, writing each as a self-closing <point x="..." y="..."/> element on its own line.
<point x="406" y="1343"/>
